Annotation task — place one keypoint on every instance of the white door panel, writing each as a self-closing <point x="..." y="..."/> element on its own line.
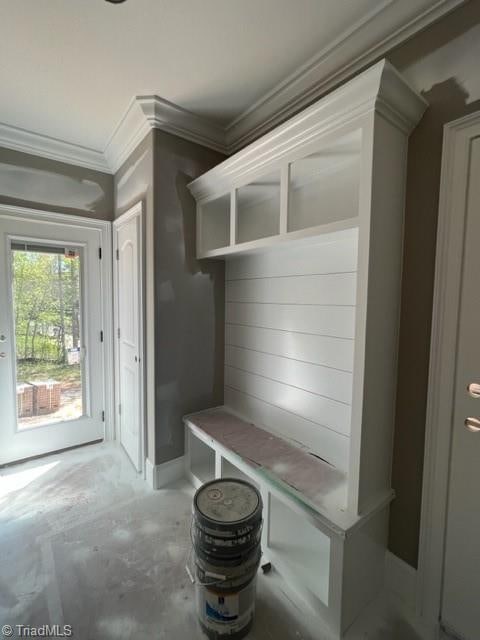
<point x="129" y="336"/>
<point x="461" y="589"/>
<point x="20" y="439"/>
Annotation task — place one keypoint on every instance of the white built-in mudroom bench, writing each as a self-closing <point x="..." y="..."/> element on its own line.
<point x="309" y="221"/>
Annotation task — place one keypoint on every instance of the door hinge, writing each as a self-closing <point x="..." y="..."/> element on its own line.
<point x="117" y="253"/>
<point x="118" y="333"/>
<point x="119" y="409"/>
<point x="103" y="416"/>
<point x="101" y="336"/>
<point x="99" y="253"/>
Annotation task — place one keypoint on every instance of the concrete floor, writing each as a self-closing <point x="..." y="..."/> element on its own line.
<point x="84" y="542"/>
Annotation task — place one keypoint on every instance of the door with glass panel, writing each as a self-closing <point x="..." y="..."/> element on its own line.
<point x="51" y="350"/>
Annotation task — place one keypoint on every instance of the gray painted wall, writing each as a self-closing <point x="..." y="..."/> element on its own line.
<point x="189" y="297"/>
<point x="40" y="183"/>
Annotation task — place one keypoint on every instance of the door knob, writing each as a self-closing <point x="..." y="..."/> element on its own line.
<point x="3" y="355"/>
<point x="473" y="424"/>
<point x="3" y="338"/>
<point x="474" y="389"/>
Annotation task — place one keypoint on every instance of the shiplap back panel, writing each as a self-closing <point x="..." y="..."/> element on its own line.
<point x="290" y="324"/>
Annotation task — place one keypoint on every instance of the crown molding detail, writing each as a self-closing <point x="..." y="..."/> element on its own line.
<point x="152" y="112"/>
<point x="379" y="89"/>
<point x="52" y="148"/>
<point x="359" y="47"/>
<point x="363" y="44"/>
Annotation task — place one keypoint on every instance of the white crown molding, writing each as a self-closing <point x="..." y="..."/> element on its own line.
<point x="379" y="31"/>
<point x="52" y="148"/>
<point x="152" y="112"/>
<point x="379" y="89"/>
<point x="360" y="46"/>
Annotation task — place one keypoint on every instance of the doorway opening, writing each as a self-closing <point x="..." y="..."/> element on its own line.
<point x="47" y="310"/>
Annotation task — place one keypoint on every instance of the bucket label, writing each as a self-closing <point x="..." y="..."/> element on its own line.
<point x="221" y="608"/>
<point x="226" y="612"/>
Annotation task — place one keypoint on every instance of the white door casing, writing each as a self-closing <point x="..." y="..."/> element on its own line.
<point x="128" y="287"/>
<point x="20" y="224"/>
<point x="449" y="529"/>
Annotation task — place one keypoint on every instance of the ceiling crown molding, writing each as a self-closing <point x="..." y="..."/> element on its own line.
<point x="52" y="148"/>
<point x="389" y="24"/>
<point x="379" y="89"/>
<point x="363" y="44"/>
<point x="152" y="112"/>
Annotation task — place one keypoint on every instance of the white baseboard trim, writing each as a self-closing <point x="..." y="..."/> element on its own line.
<point x="401" y="579"/>
<point x="158" y="476"/>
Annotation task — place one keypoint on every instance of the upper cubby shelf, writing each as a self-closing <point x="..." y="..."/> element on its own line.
<point x="309" y="176"/>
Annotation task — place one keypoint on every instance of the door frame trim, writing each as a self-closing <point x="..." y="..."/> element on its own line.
<point x="105" y="229"/>
<point x="457" y="140"/>
<point x="136" y="211"/>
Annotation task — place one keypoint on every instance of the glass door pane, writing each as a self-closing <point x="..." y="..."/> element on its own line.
<point x="47" y="307"/>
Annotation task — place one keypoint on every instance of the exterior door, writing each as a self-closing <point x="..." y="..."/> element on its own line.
<point x="461" y="589"/>
<point x="129" y="296"/>
<point x="51" y="351"/>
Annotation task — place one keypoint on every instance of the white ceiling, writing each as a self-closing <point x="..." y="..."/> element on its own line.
<point x="69" y="68"/>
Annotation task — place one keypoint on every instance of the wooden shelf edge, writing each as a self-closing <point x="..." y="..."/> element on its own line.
<point x="310" y="233"/>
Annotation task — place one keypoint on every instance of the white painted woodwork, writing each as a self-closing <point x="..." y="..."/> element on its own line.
<point x="332" y="290"/>
<point x="328" y="413"/>
<point x="312" y="308"/>
<point x="258" y="208"/>
<point x="129" y="304"/>
<point x="338" y="254"/>
<point x="215" y="227"/>
<point x="333" y="322"/>
<point x="316" y="379"/>
<point x="283" y="377"/>
<point x="330" y="445"/>
<point x="335" y="353"/>
<point x="304" y="550"/>
<point x="332" y="568"/>
<point x="324" y="186"/>
<point x="87" y="236"/>
<point x="460" y="613"/>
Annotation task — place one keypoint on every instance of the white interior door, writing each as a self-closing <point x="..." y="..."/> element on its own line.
<point x="128" y="288"/>
<point x="51" y="351"/>
<point x="461" y="588"/>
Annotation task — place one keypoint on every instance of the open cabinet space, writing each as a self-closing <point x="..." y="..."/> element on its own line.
<point x="313" y="267"/>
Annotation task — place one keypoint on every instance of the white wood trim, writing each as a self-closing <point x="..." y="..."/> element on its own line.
<point x="450" y="237"/>
<point x="52" y="148"/>
<point x="160" y="475"/>
<point x="134" y="212"/>
<point x="380" y="30"/>
<point x="380" y="88"/>
<point x="105" y="228"/>
<point x="359" y="46"/>
<point x="145" y="113"/>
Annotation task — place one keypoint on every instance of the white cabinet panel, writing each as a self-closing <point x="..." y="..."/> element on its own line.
<point x="331" y="352"/>
<point x="327" y="444"/>
<point x="331" y="289"/>
<point x="327" y="321"/>
<point x="323" y="381"/>
<point x="336" y="255"/>
<point x="323" y="411"/>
